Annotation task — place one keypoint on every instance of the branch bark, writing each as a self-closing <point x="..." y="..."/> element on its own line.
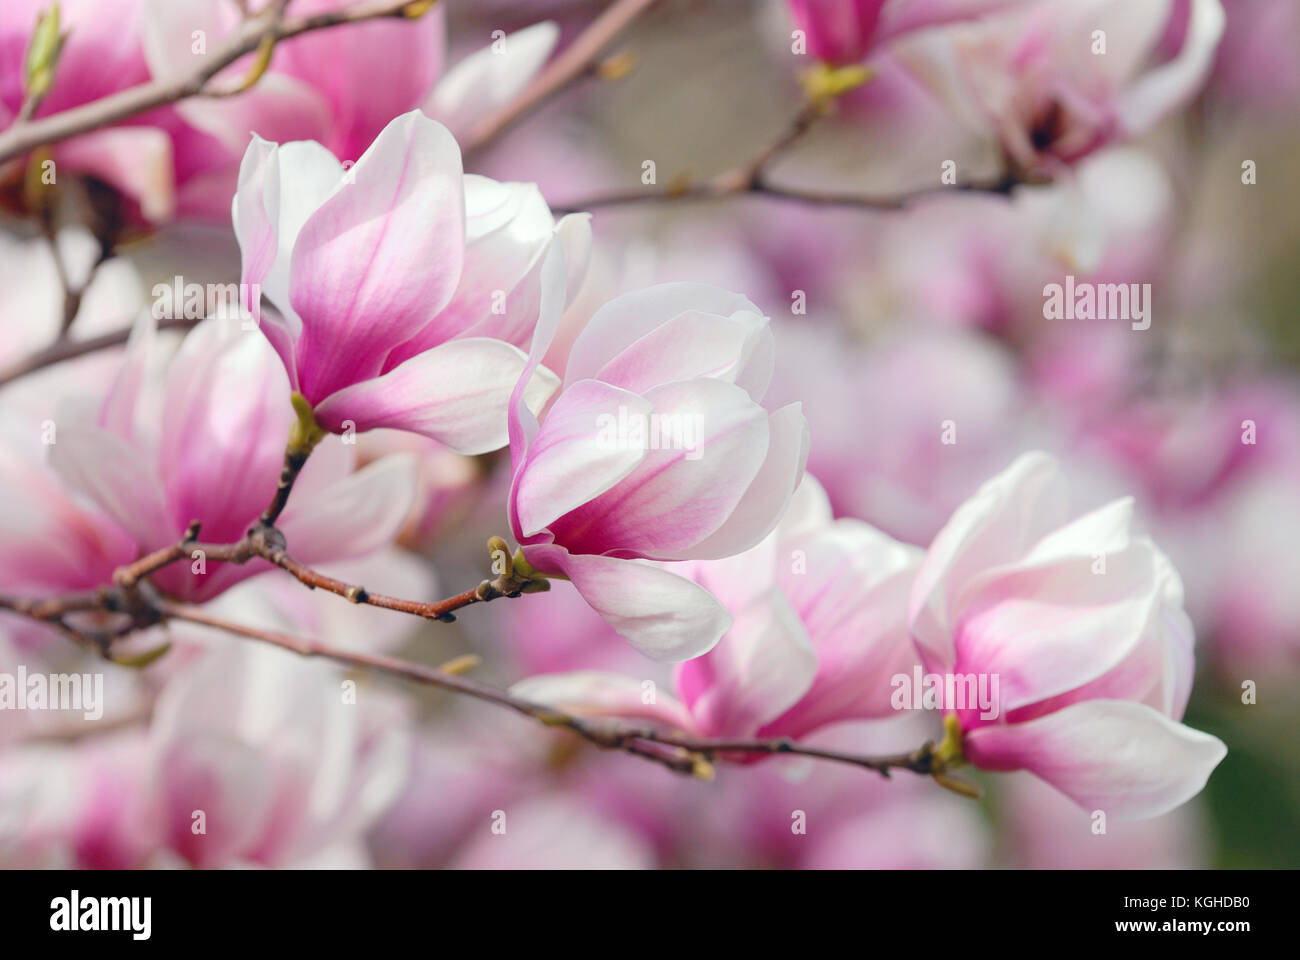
<point x="680" y="752"/>
<point x="268" y="25"/>
<point x="684" y="754"/>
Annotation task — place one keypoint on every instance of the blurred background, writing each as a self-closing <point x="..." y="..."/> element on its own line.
<point x="888" y="323"/>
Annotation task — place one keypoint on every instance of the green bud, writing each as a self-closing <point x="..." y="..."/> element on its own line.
<point x="43" y="54"/>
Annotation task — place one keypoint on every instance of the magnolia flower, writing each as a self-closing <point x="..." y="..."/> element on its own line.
<point x="845" y="31"/>
<point x="819" y="631"/>
<point x="101" y="55"/>
<point x="51" y="540"/>
<point x="286" y="769"/>
<point x="656" y="449"/>
<point x="202" y="439"/>
<point x="1054" y="82"/>
<point x="394" y="312"/>
<point x="339" y="87"/>
<point x="1083" y="624"/>
<point x="76" y="805"/>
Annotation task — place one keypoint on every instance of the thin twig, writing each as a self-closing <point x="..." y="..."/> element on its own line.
<point x="719" y="189"/>
<point x="750" y="179"/>
<point x="680" y="752"/>
<point x="686" y="751"/>
<point x="247" y="37"/>
<point x="67" y="348"/>
<point x="575" y="60"/>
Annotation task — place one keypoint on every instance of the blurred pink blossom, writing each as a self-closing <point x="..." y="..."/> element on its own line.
<point x="1052" y="83"/>
<point x="339" y="87"/>
<point x="846" y="31"/>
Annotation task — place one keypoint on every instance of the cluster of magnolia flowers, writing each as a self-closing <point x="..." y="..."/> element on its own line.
<point x="400" y="297"/>
<point x="724" y="557"/>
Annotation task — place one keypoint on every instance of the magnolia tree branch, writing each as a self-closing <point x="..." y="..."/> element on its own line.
<point x="259" y="32"/>
<point x="750" y="179"/>
<point x="727" y="186"/>
<point x="137" y="605"/>
<point x="679" y="752"/>
<point x="67" y="348"/>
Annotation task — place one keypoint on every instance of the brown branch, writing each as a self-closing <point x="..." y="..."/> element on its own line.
<point x="66" y="348"/>
<point x="684" y="756"/>
<point x="750" y="179"/>
<point x="267" y="543"/>
<point x="680" y="752"/>
<point x="246" y="38"/>
<point x="730" y="185"/>
<point x="575" y="60"/>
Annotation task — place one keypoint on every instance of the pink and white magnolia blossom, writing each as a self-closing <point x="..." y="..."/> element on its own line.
<point x="402" y="287"/>
<point x="819" y="630"/>
<point x="202" y="438"/>
<point x="143" y="157"/>
<point x="339" y="86"/>
<point x="1037" y="80"/>
<point x="846" y="31"/>
<point x="289" y="773"/>
<point x="1082" y="621"/>
<point x="591" y="501"/>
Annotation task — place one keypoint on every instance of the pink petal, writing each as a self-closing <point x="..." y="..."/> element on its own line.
<point x="851" y="594"/>
<point x="717" y="350"/>
<point x="366" y="73"/>
<point x="523" y="424"/>
<point x="666" y="617"/>
<point x="278" y="107"/>
<point x="1175" y="83"/>
<point x="571" y="462"/>
<point x="137" y="161"/>
<point x="457" y="393"/>
<point x="508" y="229"/>
<point x="221" y="450"/>
<point x="682" y="491"/>
<point x="761" y="667"/>
<point x="1048" y="630"/>
<point x="110" y="472"/>
<point x="1123" y="758"/>
<point x="305" y="175"/>
<point x="997" y="525"/>
<point x="765" y="501"/>
<point x="591" y="693"/>
<point x="626" y="319"/>
<point x="492" y="76"/>
<point x="255" y="211"/>
<point x="904" y="16"/>
<point x="380" y="257"/>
